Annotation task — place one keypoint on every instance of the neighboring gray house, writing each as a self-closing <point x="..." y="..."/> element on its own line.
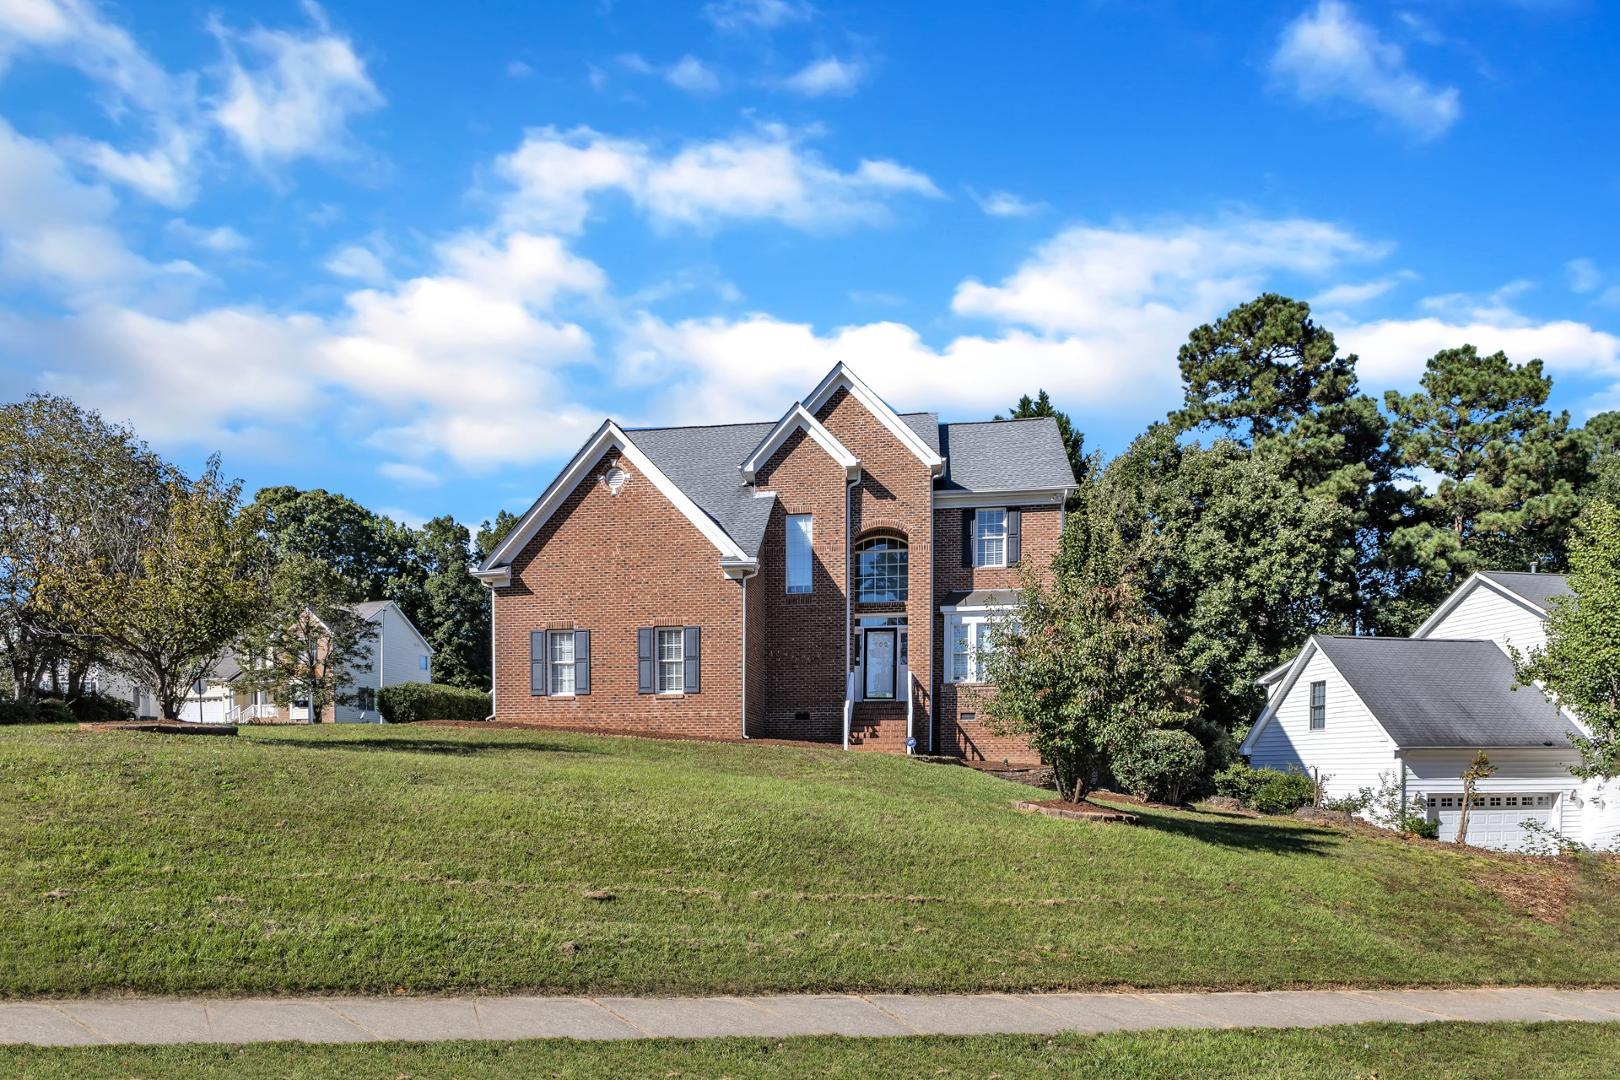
<point x="1354" y="709"/>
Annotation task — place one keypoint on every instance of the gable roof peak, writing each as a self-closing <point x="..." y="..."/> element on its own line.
<point x="842" y="377"/>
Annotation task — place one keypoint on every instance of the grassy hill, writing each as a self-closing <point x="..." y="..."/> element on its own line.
<point x="372" y="859"/>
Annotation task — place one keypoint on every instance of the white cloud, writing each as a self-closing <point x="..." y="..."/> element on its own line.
<point x="1329" y="54"/>
<point x="163" y="173"/>
<point x="403" y="472"/>
<point x="1089" y="279"/>
<point x="739" y="15"/>
<point x="359" y="263"/>
<point x="518" y="69"/>
<point x="1349" y="294"/>
<point x="764" y="175"/>
<point x="221" y="239"/>
<point x="693" y="76"/>
<point x="1394" y="351"/>
<point x="294" y="94"/>
<point x="1584" y="275"/>
<point x="1006" y="204"/>
<point x="829" y="77"/>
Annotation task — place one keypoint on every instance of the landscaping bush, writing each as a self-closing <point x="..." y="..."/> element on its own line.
<point x="1161" y="765"/>
<point x="98" y="709"/>
<point x="15" y="712"/>
<point x="409" y="703"/>
<point x="1236" y="781"/>
<point x="1278" y="792"/>
<point x="54" y="711"/>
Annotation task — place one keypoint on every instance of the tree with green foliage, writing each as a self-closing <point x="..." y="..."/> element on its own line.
<point x="1074" y="441"/>
<point x="311" y="642"/>
<point x="455" y="605"/>
<point x="1082" y="671"/>
<point x="73" y="488"/>
<point x="1506" y="470"/>
<point x="491" y="533"/>
<point x="1580" y="664"/>
<point x="372" y="553"/>
<point x="1603" y="430"/>
<point x="189" y="583"/>
<point x="1237" y="567"/>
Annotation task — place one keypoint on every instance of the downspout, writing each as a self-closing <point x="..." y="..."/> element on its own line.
<point x="933" y="603"/>
<point x="492" y="679"/>
<point x="849" y="551"/>
<point x="744" y="654"/>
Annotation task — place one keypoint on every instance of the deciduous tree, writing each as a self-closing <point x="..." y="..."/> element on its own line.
<point x="311" y="642"/>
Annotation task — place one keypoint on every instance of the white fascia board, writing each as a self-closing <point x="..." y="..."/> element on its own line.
<point x="500" y="577"/>
<point x="798" y="418"/>
<point x="1475" y="580"/>
<point x="1015" y="497"/>
<point x="608" y="437"/>
<point x="842" y="376"/>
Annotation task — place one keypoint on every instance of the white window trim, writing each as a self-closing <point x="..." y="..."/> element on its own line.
<point x="976" y="624"/>
<point x="659" y="660"/>
<point x="1310" y="706"/>
<point x="552" y="665"/>
<point x="979" y="533"/>
<point x="807" y="586"/>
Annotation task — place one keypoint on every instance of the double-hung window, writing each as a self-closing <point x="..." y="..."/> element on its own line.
<point x="990" y="538"/>
<point x="972" y="640"/>
<point x="560" y="652"/>
<point x="671" y="660"/>
<point x="1318" y="706"/>
<point x="798" y="553"/>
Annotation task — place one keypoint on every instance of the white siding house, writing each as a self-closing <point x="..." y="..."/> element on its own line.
<point x="1418" y="710"/>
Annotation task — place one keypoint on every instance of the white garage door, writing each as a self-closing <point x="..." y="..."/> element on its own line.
<point x="1494" y="821"/>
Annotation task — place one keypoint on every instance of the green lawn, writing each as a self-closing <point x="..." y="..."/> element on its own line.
<point x="374" y="859"/>
<point x="1384" y="1051"/>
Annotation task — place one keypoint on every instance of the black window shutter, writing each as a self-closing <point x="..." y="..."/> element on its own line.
<point x="692" y="653"/>
<point x="537" y="663"/>
<point x="1015" y="536"/>
<point x="967" y="538"/>
<point x="582" y="661"/>
<point x="644" y="660"/>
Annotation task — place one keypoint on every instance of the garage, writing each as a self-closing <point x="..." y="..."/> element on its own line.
<point x="1496" y="818"/>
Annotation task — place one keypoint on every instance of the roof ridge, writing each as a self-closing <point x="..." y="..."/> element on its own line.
<point x="996" y="420"/>
<point x="698" y="427"/>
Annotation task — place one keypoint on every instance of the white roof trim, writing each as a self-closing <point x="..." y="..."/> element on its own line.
<point x="1014" y="498"/>
<point x="1474" y="580"/>
<point x="842" y="376"/>
<point x="395" y="605"/>
<point x="1295" y="670"/>
<point x="608" y="437"/>
<point x="798" y="418"/>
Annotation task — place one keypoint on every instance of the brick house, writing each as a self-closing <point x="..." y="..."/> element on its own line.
<point x="826" y="576"/>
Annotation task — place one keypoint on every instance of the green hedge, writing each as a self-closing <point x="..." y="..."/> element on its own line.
<point x="44" y="711"/>
<point x="408" y="703"/>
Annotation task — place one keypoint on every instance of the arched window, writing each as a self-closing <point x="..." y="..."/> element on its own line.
<point x="881" y="566"/>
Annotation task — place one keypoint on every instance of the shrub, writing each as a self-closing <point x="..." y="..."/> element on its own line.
<point x="409" y="703"/>
<point x="16" y="712"/>
<point x="54" y="711"/>
<point x="1278" y="792"/>
<point x="1236" y="781"/>
<point x="1350" y="804"/>
<point x="99" y="709"/>
<point x="1390" y="811"/>
<point x="1161" y="765"/>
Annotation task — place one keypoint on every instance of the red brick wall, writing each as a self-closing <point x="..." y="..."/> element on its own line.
<point x="895" y="493"/>
<point x="1041" y="530"/>
<point x="611" y="564"/>
<point x="803" y="633"/>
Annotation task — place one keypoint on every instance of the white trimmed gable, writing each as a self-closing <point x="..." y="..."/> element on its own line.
<point x="798" y="418"/>
<point x="1482" y="610"/>
<point x="842" y="378"/>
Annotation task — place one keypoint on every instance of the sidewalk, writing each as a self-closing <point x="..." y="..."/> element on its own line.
<point x="335" y="1020"/>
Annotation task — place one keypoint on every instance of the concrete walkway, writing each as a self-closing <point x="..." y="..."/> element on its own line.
<point x="335" y="1020"/>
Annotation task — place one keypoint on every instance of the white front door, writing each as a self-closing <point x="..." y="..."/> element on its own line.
<point x="880" y="655"/>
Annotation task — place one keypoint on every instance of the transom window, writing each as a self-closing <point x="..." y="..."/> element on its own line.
<point x="1318" y="706"/>
<point x="560" y="651"/>
<point x="882" y="566"/>
<point x="671" y="660"/>
<point x="990" y="538"/>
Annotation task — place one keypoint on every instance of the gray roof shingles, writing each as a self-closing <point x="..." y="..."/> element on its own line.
<point x="997" y="455"/>
<point x="1539" y="589"/>
<point x="1441" y="693"/>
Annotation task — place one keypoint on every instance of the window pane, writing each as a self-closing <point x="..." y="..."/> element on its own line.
<point x="990" y="537"/>
<point x="959" y="650"/>
<point x="671" y="660"/>
<point x="562" y="663"/>
<point x="881" y="571"/>
<point x="798" y="553"/>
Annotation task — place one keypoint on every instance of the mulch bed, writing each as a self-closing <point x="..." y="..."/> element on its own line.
<point x="1086" y="811"/>
<point x="161" y="727"/>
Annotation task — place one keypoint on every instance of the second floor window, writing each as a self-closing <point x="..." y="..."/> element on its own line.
<point x="1318" y="706"/>
<point x="798" y="553"/>
<point x="990" y="538"/>
<point x="882" y="565"/>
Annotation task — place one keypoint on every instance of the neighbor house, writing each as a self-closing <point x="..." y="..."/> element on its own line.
<point x="398" y="654"/>
<point x="1355" y="709"/>
<point x="829" y="575"/>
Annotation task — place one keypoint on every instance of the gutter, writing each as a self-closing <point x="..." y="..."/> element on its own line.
<point x="849" y="551"/>
<point x="492" y="679"/>
<point x="744" y="651"/>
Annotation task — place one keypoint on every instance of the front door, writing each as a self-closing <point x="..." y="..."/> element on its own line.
<point x="880" y="652"/>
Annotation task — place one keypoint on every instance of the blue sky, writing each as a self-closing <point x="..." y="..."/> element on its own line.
<point x="415" y="253"/>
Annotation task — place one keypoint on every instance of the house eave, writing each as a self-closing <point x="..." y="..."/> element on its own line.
<point x="1055" y="496"/>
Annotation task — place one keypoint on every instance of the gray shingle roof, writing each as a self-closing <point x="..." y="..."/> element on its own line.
<point x="1429" y="692"/>
<point x="368" y="609"/>
<point x="704" y="463"/>
<point x="1004" y="455"/>
<point x="1536" y="588"/>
